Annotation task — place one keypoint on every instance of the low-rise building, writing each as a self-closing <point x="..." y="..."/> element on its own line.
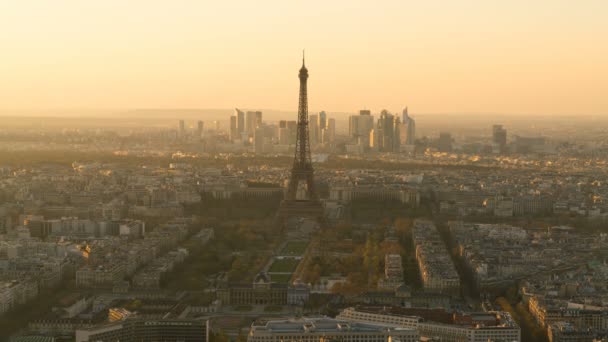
<point x="139" y="329"/>
<point x="324" y="329"/>
<point x="439" y="324"/>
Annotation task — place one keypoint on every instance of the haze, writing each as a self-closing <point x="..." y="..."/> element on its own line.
<point x="542" y="57"/>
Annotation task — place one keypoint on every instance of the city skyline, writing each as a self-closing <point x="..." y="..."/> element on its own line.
<point x="473" y="57"/>
<point x="387" y="197"/>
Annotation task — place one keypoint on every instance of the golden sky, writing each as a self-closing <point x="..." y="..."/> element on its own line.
<point x="515" y="56"/>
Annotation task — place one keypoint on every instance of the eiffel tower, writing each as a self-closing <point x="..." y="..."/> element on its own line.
<point x="302" y="172"/>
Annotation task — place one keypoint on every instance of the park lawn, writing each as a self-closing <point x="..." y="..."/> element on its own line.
<point x="280" y="278"/>
<point x="284" y="265"/>
<point x="295" y="248"/>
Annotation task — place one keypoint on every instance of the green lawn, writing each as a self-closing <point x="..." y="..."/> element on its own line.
<point x="284" y="265"/>
<point x="295" y="248"/>
<point x="280" y="278"/>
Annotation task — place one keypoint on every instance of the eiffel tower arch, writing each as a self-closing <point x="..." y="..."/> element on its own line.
<point x="308" y="205"/>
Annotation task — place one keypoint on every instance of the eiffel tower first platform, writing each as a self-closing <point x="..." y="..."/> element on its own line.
<point x="302" y="172"/>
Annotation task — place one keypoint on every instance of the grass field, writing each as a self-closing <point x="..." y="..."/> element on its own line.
<point x="284" y="265"/>
<point x="280" y="278"/>
<point x="295" y="248"/>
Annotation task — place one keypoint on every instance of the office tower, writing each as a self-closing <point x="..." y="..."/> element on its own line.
<point x="499" y="139"/>
<point x="258" y="119"/>
<point x="216" y="125"/>
<point x="396" y="134"/>
<point x="360" y="127"/>
<point x="249" y="122"/>
<point x="199" y="129"/>
<point x="323" y="136"/>
<point x="322" y="120"/>
<point x="234" y="130"/>
<point x="309" y="204"/>
<point x="408" y="129"/>
<point x="445" y="142"/>
<point x="366" y="123"/>
<point x="258" y="140"/>
<point x="331" y="127"/>
<point x="313" y="128"/>
<point x="240" y="120"/>
<point x="182" y="129"/>
<point x="283" y="133"/>
<point x="402" y="133"/>
<point x="374" y="141"/>
<point x="386" y="132"/>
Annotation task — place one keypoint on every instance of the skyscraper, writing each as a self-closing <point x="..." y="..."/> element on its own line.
<point x="250" y="122"/>
<point x="234" y="130"/>
<point x="258" y="119"/>
<point x="408" y="129"/>
<point x="374" y="140"/>
<point x="360" y="127"/>
<point x="240" y="120"/>
<point x="322" y="120"/>
<point x="396" y="134"/>
<point x="331" y="128"/>
<point x="386" y="132"/>
<point x="313" y="128"/>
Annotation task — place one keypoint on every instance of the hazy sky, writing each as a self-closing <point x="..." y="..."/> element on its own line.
<point x="509" y="56"/>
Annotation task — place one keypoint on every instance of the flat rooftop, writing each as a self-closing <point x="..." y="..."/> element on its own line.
<point x="319" y="325"/>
